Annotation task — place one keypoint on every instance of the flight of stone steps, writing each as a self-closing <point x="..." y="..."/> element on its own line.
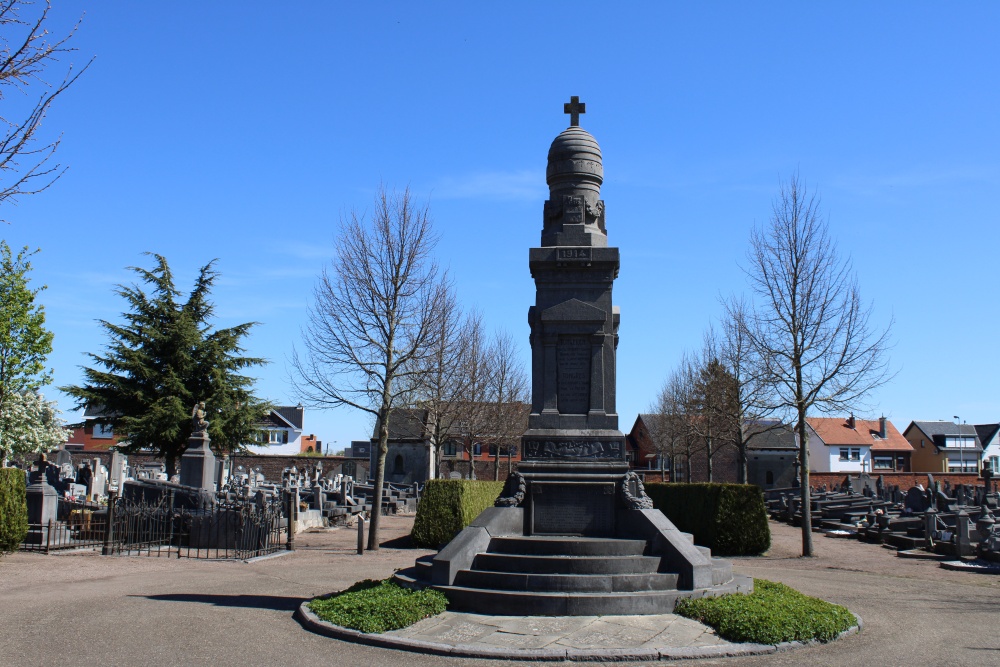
<point x="568" y="576"/>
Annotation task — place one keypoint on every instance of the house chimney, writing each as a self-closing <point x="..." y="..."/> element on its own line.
<point x="881" y="427"/>
<point x="850" y="421"/>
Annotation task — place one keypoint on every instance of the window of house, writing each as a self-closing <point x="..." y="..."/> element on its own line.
<point x="882" y="462"/>
<point x="397" y="468"/>
<point x="769" y="478"/>
<point x="103" y="431"/>
<point x="994" y="463"/>
<point x="493" y="449"/>
<point x="958" y="464"/>
<point x="845" y="454"/>
<point x="277" y="437"/>
<point x="855" y="454"/>
<point x="477" y="449"/>
<point x="449" y="449"/>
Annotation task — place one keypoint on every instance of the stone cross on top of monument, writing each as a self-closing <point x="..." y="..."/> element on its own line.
<point x="574" y="108"/>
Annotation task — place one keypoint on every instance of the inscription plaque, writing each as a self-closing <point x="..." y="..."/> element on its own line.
<point x="565" y="508"/>
<point x="573" y="365"/>
<point x="571" y="448"/>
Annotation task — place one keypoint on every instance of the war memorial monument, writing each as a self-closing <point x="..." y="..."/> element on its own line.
<point x="574" y="532"/>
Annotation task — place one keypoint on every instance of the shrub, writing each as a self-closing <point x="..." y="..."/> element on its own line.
<point x="449" y="505"/>
<point x="13" y="509"/>
<point x="772" y="614"/>
<point x="730" y="519"/>
<point x="378" y="606"/>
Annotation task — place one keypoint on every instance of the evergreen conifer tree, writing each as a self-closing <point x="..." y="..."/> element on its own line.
<point x="165" y="357"/>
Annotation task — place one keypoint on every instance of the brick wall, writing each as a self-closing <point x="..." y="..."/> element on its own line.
<point x="904" y="480"/>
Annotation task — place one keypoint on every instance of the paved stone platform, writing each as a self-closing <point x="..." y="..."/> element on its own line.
<point x="614" y="638"/>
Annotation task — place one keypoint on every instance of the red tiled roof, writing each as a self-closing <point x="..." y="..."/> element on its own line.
<point x="836" y="432"/>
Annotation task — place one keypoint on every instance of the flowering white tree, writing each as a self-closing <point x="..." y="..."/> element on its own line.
<point x="30" y="424"/>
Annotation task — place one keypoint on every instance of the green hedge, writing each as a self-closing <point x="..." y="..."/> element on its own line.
<point x="379" y="606"/>
<point x="730" y="519"/>
<point x="772" y="614"/>
<point x="449" y="505"/>
<point x="13" y="509"/>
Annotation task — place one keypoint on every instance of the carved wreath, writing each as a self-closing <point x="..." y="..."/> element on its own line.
<point x="513" y="492"/>
<point x="639" y="501"/>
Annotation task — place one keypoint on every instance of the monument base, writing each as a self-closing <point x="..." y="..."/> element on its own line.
<point x="198" y="463"/>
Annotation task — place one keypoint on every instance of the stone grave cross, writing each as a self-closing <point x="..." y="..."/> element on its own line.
<point x="574" y="108"/>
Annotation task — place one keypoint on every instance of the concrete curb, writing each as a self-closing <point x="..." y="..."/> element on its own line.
<point x="313" y="623"/>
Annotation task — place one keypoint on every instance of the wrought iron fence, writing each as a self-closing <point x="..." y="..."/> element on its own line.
<point x="239" y="529"/>
<point x="78" y="525"/>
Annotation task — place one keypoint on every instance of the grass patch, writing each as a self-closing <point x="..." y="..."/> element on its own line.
<point x="772" y="614"/>
<point x="378" y="606"/>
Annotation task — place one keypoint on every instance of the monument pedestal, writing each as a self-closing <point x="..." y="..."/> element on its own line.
<point x="198" y="463"/>
<point x="43" y="506"/>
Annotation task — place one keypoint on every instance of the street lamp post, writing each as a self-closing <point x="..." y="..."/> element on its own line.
<point x="961" y="445"/>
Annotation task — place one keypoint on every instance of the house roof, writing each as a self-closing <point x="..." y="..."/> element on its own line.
<point x="986" y="432"/>
<point x="771" y="435"/>
<point x="405" y="424"/>
<point x="291" y="414"/>
<point x="938" y="431"/>
<point x="837" y="432"/>
<point x="767" y="434"/>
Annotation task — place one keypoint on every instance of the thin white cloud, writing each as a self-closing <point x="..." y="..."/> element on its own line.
<point x="525" y="185"/>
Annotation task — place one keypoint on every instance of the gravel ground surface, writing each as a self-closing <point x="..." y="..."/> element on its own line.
<point x="84" y="609"/>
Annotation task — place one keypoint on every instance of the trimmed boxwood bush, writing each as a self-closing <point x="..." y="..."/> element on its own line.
<point x="379" y="606"/>
<point x="772" y="614"/>
<point x="449" y="505"/>
<point x="730" y="519"/>
<point x="13" y="509"/>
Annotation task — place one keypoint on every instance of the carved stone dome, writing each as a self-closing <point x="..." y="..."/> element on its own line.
<point x="575" y="163"/>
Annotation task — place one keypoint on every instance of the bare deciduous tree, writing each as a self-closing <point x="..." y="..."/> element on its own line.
<point x="752" y="408"/>
<point x="26" y="52"/>
<point x="810" y="327"/>
<point x="670" y="430"/>
<point x="510" y="398"/>
<point x="374" y="320"/>
<point x="443" y="379"/>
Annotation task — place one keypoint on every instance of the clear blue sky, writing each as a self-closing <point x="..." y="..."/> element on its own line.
<point x="242" y="131"/>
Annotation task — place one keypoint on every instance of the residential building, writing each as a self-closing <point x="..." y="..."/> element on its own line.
<point x="943" y="446"/>
<point x="857" y="445"/>
<point x="89" y="436"/>
<point x="989" y="438"/>
<point x="281" y="432"/>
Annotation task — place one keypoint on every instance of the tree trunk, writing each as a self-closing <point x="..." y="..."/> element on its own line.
<point x="741" y="469"/>
<point x="383" y="449"/>
<point x="807" y="545"/>
<point x="708" y="457"/>
<point x="496" y="464"/>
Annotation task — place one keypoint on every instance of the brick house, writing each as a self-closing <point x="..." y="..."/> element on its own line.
<point x="943" y="446"/>
<point x="857" y="445"/>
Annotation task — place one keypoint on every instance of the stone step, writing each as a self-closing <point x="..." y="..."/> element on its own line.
<point x="722" y="571"/>
<point x="567" y="546"/>
<point x="583" y="583"/>
<point x="529" y="564"/>
<point x="530" y="603"/>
